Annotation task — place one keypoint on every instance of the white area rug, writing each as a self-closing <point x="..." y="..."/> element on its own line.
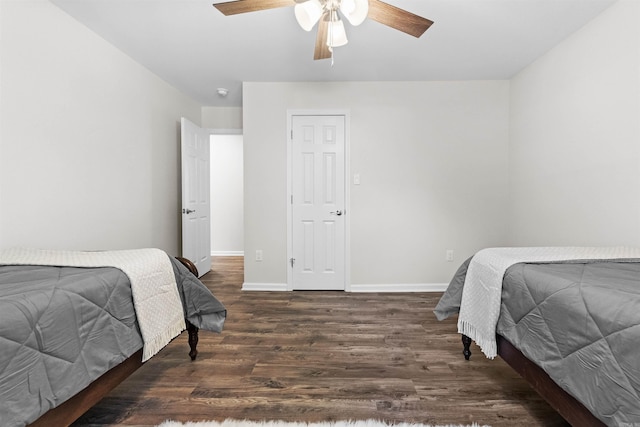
<point x="367" y="423"/>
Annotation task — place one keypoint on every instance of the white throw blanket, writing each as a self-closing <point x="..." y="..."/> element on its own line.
<point x="153" y="285"/>
<point x="481" y="295"/>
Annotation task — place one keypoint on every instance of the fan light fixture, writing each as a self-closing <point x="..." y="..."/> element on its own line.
<point x="336" y="36"/>
<point x="355" y="11"/>
<point x="327" y="14"/>
<point x="310" y="12"/>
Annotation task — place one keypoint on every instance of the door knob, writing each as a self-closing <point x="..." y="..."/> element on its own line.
<point x="337" y="213"/>
<point x="188" y="211"/>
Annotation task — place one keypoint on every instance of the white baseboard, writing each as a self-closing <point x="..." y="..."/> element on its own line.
<point x="271" y="287"/>
<point x="405" y="287"/>
<point x="410" y="287"/>
<point x="227" y="253"/>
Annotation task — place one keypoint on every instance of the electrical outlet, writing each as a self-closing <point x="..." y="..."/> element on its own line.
<point x="259" y="255"/>
<point x="449" y="255"/>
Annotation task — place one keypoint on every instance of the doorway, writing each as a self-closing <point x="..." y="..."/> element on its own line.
<point x="227" y="193"/>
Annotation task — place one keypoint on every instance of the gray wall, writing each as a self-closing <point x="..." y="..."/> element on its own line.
<point x="575" y="138"/>
<point x="89" y="142"/>
<point x="432" y="157"/>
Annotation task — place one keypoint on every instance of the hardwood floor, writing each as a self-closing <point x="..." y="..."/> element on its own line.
<point x="319" y="356"/>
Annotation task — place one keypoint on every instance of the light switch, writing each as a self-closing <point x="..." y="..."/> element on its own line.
<point x="356" y="179"/>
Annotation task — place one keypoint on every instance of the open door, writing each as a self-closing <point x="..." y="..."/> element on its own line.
<point x="196" y="221"/>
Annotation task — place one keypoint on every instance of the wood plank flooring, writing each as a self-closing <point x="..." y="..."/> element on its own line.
<point x="320" y="356"/>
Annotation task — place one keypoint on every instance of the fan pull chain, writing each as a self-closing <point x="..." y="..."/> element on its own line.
<point x="330" y="34"/>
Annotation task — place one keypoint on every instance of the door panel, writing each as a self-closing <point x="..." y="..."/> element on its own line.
<point x="196" y="221"/>
<point x="318" y="202"/>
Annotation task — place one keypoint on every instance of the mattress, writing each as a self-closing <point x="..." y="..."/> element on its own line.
<point x="61" y="328"/>
<point x="578" y="321"/>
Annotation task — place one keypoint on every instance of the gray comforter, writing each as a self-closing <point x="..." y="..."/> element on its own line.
<point x="62" y="327"/>
<point x="580" y="322"/>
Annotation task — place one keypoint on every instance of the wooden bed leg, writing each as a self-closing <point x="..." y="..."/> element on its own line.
<point x="192" y="329"/>
<point x="466" y="342"/>
<point x="193" y="340"/>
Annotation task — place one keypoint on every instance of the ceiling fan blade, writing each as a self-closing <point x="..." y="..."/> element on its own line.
<point x="322" y="50"/>
<point x="244" y="6"/>
<point x="397" y="18"/>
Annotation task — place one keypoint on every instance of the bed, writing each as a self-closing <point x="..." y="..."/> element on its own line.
<point x="69" y="334"/>
<point x="570" y="328"/>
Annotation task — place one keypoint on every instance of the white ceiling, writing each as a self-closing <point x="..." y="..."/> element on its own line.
<point x="195" y="48"/>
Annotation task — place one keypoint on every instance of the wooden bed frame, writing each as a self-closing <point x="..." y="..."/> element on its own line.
<point x="565" y="404"/>
<point x="74" y="408"/>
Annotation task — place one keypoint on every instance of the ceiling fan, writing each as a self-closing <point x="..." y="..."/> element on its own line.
<point x="327" y="14"/>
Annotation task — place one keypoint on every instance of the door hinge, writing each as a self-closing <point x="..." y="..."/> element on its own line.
<point x="292" y="199"/>
<point x="292" y="261"/>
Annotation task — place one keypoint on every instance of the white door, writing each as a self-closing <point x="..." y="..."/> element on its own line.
<point x="318" y="202"/>
<point x="196" y="237"/>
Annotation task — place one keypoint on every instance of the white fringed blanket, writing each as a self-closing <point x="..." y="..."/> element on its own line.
<point x="480" y="306"/>
<point x="153" y="285"/>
